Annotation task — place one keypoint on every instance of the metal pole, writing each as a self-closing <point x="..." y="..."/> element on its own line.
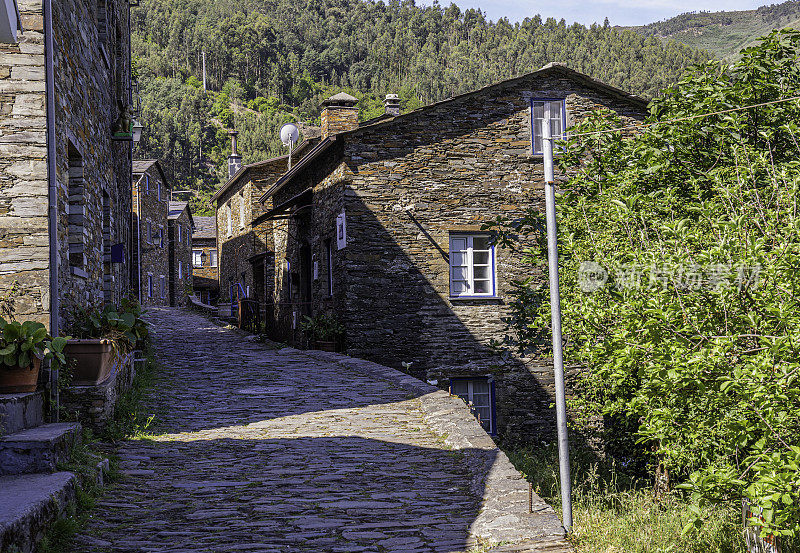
<point x="555" y="307"/>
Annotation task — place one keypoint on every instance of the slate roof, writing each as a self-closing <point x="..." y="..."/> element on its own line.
<point x="205" y="228"/>
<point x="142" y="165"/>
<point x="175" y="209"/>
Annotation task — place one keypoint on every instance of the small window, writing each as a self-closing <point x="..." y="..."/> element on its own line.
<point x="180" y="232"/>
<point x="556" y="112"/>
<point x="478" y="394"/>
<point x="212" y="258"/>
<point x="146" y="185"/>
<point x="159" y="191"/>
<point x="180" y="269"/>
<point x="149" y="286"/>
<point x="149" y="232"/>
<point x="471" y="265"/>
<point x="241" y="211"/>
<point x="329" y="265"/>
<point x="197" y="258"/>
<point x="161" y="237"/>
<point x="229" y="215"/>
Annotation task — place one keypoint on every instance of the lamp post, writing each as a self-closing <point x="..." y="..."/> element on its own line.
<point x="555" y="308"/>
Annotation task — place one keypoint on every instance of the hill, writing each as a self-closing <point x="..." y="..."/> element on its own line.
<point x="724" y="34"/>
<point x="272" y="61"/>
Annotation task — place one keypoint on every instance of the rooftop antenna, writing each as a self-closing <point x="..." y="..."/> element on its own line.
<point x="289" y="136"/>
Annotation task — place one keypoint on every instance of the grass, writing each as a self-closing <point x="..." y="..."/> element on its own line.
<point x="129" y="421"/>
<point x="613" y="513"/>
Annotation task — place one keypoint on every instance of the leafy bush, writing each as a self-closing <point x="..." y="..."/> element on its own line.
<point x="20" y="343"/>
<point x="680" y="247"/>
<point x="323" y="327"/>
<point x="122" y="323"/>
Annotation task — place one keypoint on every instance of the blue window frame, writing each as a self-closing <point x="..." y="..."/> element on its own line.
<point x="556" y="110"/>
<point x="478" y="393"/>
<point x="472" y="266"/>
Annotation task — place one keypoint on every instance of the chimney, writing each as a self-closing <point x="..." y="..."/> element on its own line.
<point x="339" y="114"/>
<point x="392" y="103"/>
<point x="234" y="160"/>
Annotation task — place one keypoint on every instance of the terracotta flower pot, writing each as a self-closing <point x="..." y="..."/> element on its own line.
<point x="325" y="346"/>
<point x="15" y="380"/>
<point x="91" y="360"/>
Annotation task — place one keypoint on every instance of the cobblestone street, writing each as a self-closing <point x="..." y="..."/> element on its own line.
<point x="262" y="450"/>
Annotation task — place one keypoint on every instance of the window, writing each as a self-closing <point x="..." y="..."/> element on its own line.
<point x="159" y="191"/>
<point x="149" y="232"/>
<point x="478" y="393"/>
<point x="212" y="258"/>
<point x="471" y="265"/>
<point x="149" y="286"/>
<point x="76" y="207"/>
<point x="180" y="232"/>
<point x="180" y="269"/>
<point x="329" y="265"/>
<point x="241" y="211"/>
<point x="229" y="215"/>
<point x="555" y="110"/>
<point x="146" y="185"/>
<point x="197" y="258"/>
<point x="161" y="237"/>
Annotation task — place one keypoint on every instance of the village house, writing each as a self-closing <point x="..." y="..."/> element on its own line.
<point x="181" y="226"/>
<point x="381" y="226"/>
<point x="205" y="260"/>
<point x="149" y="251"/>
<point x="65" y="156"/>
<point x="243" y="248"/>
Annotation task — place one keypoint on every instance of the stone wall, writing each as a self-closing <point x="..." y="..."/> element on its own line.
<point x="24" y="252"/>
<point x="180" y="245"/>
<point x="149" y="219"/>
<point x="405" y="186"/>
<point x="205" y="279"/>
<point x="93" y="172"/>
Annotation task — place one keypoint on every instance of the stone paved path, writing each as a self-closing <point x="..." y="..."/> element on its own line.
<point x="263" y="450"/>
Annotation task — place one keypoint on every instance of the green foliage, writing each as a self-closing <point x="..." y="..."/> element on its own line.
<point x="295" y="54"/>
<point x="122" y="323"/>
<point x="20" y="343"/>
<point x="692" y="340"/>
<point x="324" y="327"/>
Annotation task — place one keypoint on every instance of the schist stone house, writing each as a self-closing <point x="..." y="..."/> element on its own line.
<point x="150" y="268"/>
<point x="243" y="249"/>
<point x="65" y="156"/>
<point x="205" y="260"/>
<point x="380" y="224"/>
<point x="180" y="252"/>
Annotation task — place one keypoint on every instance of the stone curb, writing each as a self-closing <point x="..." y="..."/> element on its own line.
<point x="505" y="515"/>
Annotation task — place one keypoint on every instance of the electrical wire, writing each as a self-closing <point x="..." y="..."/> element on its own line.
<point x="680" y="119"/>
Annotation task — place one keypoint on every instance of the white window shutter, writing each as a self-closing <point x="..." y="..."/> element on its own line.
<point x="341" y="231"/>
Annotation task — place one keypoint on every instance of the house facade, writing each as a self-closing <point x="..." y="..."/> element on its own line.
<point x="205" y="260"/>
<point x="150" y="252"/>
<point x="244" y="241"/>
<point x="65" y="157"/>
<point x="181" y="225"/>
<point x="381" y="225"/>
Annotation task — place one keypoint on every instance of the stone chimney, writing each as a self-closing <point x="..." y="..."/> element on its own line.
<point x="392" y="103"/>
<point x="339" y="114"/>
<point x="234" y="160"/>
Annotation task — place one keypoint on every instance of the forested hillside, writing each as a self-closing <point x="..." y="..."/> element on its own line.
<point x="272" y="61"/>
<point x="724" y="34"/>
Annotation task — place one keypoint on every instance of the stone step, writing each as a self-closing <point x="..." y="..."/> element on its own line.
<point x="29" y="503"/>
<point x="20" y="411"/>
<point x="37" y="449"/>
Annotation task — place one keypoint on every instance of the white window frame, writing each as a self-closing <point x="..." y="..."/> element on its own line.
<point x="241" y="210"/>
<point x="469" y="265"/>
<point x="197" y="258"/>
<point x="180" y="270"/>
<point x="229" y="215"/>
<point x="470" y="399"/>
<point x="537" y="122"/>
<point x="213" y="258"/>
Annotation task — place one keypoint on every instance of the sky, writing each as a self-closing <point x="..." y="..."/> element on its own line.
<point x="619" y="12"/>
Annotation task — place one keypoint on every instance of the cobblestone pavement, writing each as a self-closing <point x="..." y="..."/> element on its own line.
<point x="261" y="450"/>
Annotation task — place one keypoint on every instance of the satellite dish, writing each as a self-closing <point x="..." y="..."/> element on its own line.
<point x="289" y="134"/>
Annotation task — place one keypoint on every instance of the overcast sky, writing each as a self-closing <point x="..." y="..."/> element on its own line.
<point x="619" y="12"/>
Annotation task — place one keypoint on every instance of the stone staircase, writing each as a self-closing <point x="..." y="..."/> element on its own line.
<point x="33" y="493"/>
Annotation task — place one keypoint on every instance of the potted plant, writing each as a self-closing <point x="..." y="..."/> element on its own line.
<point x="22" y="348"/>
<point x="324" y="329"/>
<point x="102" y="336"/>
